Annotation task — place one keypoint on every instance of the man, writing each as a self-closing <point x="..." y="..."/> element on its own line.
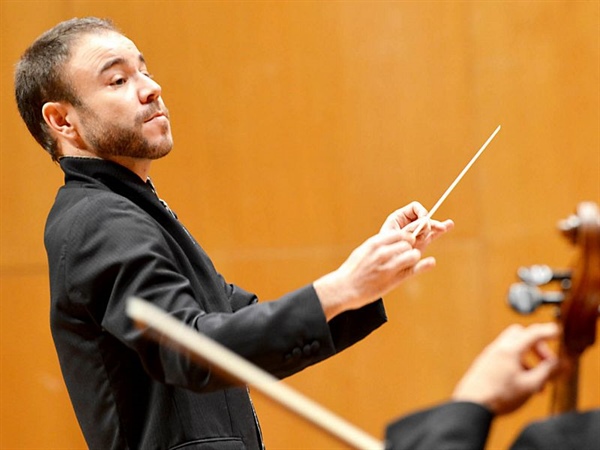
<point x="86" y="95"/>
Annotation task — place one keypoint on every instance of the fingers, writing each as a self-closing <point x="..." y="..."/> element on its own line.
<point x="501" y="378"/>
<point x="531" y="337"/>
<point x="543" y="351"/>
<point x="438" y="228"/>
<point x="443" y="227"/>
<point x="392" y="236"/>
<point x="533" y="340"/>
<point x="409" y="263"/>
<point x="404" y="216"/>
<point x="395" y="258"/>
<point x="425" y="228"/>
<point x="534" y="379"/>
<point x="428" y="231"/>
<point x="421" y="266"/>
<point x="413" y="211"/>
<point x="524" y="338"/>
<point x="405" y="260"/>
<point x="402" y="255"/>
<point x="396" y="251"/>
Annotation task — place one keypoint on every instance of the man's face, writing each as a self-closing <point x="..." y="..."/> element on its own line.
<point x="121" y="112"/>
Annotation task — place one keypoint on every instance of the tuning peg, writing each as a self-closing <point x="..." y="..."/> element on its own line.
<point x="538" y="275"/>
<point x="525" y="298"/>
<point x="569" y="227"/>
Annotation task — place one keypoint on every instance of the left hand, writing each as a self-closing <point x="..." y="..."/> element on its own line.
<point x="409" y="217"/>
<point x="502" y="377"/>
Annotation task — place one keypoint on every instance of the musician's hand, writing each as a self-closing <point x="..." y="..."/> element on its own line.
<point x="381" y="263"/>
<point x="409" y="217"/>
<point x="373" y="269"/>
<point x="517" y="364"/>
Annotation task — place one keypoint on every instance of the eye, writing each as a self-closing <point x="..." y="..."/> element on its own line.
<point x="119" y="81"/>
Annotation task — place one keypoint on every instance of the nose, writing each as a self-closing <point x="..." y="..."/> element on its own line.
<point x="150" y="90"/>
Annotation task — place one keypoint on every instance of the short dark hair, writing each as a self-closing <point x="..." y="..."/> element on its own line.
<point x="40" y="77"/>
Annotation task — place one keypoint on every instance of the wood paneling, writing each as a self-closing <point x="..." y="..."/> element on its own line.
<point x="35" y="409"/>
<point x="298" y="127"/>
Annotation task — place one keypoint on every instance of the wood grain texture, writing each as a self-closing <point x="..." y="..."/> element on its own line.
<point x="298" y="127"/>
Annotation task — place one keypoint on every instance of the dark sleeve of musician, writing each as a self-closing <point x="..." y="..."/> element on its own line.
<point x="569" y="431"/>
<point x="451" y="426"/>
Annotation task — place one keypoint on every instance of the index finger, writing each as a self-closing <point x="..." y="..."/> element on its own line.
<point x="538" y="332"/>
<point x="414" y="210"/>
<point x="411" y="227"/>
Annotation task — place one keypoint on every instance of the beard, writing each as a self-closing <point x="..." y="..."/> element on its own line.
<point x="109" y="138"/>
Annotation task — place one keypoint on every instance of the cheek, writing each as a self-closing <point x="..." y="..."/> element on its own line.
<point x="119" y="104"/>
<point x="119" y="109"/>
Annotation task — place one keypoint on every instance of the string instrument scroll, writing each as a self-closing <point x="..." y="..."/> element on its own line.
<point x="577" y="303"/>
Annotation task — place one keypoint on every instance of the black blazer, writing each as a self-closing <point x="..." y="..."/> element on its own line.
<point x="450" y="426"/>
<point x="569" y="431"/>
<point x="465" y="426"/>
<point x="108" y="237"/>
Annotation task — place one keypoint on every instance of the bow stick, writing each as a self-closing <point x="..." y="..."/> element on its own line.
<point x="209" y="351"/>
<point x="454" y="183"/>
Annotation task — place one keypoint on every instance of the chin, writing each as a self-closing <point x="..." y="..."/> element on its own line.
<point x="162" y="150"/>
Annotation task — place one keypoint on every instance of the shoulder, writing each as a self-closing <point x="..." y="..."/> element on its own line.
<point x="80" y="215"/>
<point x="90" y="204"/>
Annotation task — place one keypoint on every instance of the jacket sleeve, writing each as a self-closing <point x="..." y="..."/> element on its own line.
<point x="115" y="251"/>
<point x="451" y="426"/>
<point x="574" y="430"/>
<point x="346" y="329"/>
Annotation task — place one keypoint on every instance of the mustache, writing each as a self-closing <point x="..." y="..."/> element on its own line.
<point x="152" y="111"/>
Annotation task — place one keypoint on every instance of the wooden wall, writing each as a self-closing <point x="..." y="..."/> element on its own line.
<point x="298" y="127"/>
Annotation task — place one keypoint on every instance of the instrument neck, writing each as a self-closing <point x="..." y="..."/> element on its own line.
<point x="566" y="385"/>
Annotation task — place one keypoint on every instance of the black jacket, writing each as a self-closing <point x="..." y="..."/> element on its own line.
<point x="451" y="426"/>
<point x="465" y="426"/>
<point x="108" y="237"/>
<point x="569" y="431"/>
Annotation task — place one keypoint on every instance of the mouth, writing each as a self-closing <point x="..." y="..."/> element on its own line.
<point x="155" y="115"/>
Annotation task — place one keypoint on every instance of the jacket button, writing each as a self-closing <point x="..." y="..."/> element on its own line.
<point x="296" y="353"/>
<point x="315" y="347"/>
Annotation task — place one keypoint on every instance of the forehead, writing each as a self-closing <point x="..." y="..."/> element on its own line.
<point x="93" y="51"/>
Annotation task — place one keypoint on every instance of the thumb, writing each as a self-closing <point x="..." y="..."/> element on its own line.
<point x="535" y="379"/>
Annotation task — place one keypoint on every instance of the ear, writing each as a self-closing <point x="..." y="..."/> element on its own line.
<point x="56" y="116"/>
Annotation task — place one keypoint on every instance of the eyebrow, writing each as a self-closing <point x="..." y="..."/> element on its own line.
<point x="118" y="60"/>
